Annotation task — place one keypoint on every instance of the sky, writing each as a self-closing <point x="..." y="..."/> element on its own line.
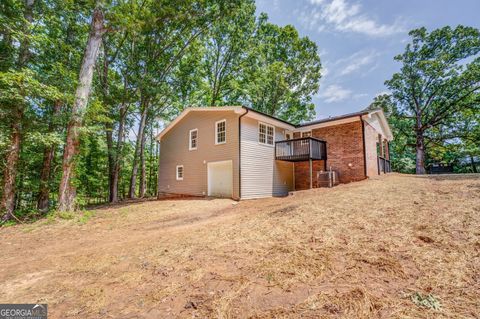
<point x="357" y="40"/>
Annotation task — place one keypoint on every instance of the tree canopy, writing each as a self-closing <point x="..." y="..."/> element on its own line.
<point x="439" y="79"/>
<point x="66" y="141"/>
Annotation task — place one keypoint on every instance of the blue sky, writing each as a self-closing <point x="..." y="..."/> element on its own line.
<point x="357" y="40"/>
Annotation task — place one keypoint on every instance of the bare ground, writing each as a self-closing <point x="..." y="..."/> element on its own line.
<point x="355" y="251"/>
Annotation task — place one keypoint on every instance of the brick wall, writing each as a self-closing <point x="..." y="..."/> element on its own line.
<point x="302" y="174"/>
<point x="344" y="147"/>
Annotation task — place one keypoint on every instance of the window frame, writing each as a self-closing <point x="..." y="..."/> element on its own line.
<point x="310" y="132"/>
<point x="190" y="147"/>
<point x="216" y="132"/>
<point x="266" y="134"/>
<point x="301" y="135"/>
<point x="176" y="172"/>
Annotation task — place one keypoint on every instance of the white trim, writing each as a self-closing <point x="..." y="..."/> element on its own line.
<point x="190" y="148"/>
<point x="267" y="119"/>
<point x="382" y="120"/>
<point x="266" y="135"/>
<point x="330" y="123"/>
<point x="378" y="113"/>
<point x="176" y="172"/>
<point x="216" y="132"/>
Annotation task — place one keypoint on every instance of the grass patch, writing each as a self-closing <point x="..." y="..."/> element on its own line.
<point x="425" y="301"/>
<point x="85" y="216"/>
<point x="65" y="215"/>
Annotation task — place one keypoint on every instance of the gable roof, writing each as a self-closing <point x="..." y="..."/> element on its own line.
<point x="196" y="109"/>
<point x="244" y="110"/>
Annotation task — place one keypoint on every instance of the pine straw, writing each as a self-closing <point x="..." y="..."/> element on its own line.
<point x="360" y="250"/>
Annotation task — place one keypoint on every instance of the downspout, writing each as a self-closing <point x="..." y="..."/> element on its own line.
<point x="239" y="153"/>
<point x="364" y="148"/>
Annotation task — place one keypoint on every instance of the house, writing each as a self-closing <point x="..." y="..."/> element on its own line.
<point x="241" y="153"/>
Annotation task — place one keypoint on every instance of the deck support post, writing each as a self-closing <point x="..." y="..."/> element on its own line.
<point x="311" y="174"/>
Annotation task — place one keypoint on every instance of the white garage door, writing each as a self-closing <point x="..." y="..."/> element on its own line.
<point x="220" y="179"/>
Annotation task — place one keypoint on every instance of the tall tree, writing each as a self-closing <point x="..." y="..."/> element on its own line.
<point x="7" y="203"/>
<point x="66" y="199"/>
<point x="439" y="76"/>
<point x="283" y="74"/>
<point x="227" y="46"/>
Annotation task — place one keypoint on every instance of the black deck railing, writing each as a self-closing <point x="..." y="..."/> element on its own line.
<point x="301" y="149"/>
<point x="384" y="165"/>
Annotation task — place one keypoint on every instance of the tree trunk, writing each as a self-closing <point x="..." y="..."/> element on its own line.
<point x="143" y="174"/>
<point x="67" y="191"/>
<point x="111" y="160"/>
<point x="118" y="155"/>
<point x="10" y="171"/>
<point x="138" y="146"/>
<point x="7" y="203"/>
<point x="151" y="174"/>
<point x="420" y="149"/>
<point x="472" y="162"/>
<point x="48" y="156"/>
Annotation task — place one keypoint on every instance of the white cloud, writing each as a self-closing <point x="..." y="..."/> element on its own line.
<point x="335" y="93"/>
<point x="360" y="95"/>
<point x="357" y="61"/>
<point x="346" y="17"/>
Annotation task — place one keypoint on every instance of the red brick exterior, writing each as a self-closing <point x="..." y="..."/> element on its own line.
<point x="345" y="154"/>
<point x="302" y="174"/>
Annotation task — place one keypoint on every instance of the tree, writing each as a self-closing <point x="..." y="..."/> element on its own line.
<point x="66" y="196"/>
<point x="227" y="46"/>
<point x="7" y="203"/>
<point x="439" y="76"/>
<point x="283" y="72"/>
<point x="103" y="112"/>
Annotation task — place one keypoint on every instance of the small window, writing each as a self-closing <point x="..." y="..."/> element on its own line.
<point x="192" y="144"/>
<point x="266" y="134"/>
<point x="221" y="132"/>
<point x="306" y="134"/>
<point x="179" y="172"/>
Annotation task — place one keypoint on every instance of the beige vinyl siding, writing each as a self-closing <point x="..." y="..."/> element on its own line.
<point x="371" y="138"/>
<point x="261" y="174"/>
<point x="174" y="150"/>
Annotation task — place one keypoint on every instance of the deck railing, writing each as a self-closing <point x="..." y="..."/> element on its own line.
<point x="301" y="149"/>
<point x="384" y="165"/>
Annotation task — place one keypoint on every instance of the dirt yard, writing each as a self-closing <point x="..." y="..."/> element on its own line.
<point x="394" y="247"/>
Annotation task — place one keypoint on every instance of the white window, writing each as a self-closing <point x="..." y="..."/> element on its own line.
<point x="193" y="136"/>
<point x="306" y="134"/>
<point x="265" y="134"/>
<point x="221" y="132"/>
<point x="179" y="172"/>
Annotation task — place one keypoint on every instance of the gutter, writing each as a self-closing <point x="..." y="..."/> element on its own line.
<point x="364" y="148"/>
<point x="239" y="152"/>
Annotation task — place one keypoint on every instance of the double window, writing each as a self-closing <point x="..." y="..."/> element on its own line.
<point x="266" y="134"/>
<point x="193" y="140"/>
<point x="179" y="172"/>
<point x="306" y="134"/>
<point x="221" y="132"/>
